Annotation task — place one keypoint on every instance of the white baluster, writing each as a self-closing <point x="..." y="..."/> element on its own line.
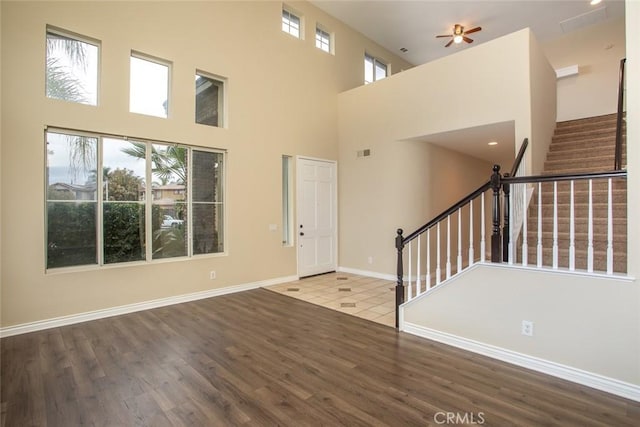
<point x="438" y="271"/>
<point x="525" y="245"/>
<point x="410" y="285"/>
<point x="572" y="231"/>
<point x="590" y="232"/>
<point x="483" y="248"/>
<point x="511" y="234"/>
<point x="555" y="224"/>
<point x="539" y="246"/>
<point x="471" y="254"/>
<point x="448" y="246"/>
<point x="609" y="230"/>
<point x="459" y="240"/>
<point x="428" y="284"/>
<point x="418" y="279"/>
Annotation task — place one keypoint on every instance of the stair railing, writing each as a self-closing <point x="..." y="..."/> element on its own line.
<point x="426" y="246"/>
<point x="618" y="154"/>
<point x="431" y="247"/>
<point x="569" y="241"/>
<point x="516" y="200"/>
<point x="579" y="248"/>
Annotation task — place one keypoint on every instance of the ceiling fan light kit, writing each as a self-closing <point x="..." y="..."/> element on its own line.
<point x="459" y="35"/>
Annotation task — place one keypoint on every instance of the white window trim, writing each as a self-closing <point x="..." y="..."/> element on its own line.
<point x="377" y="60"/>
<point x="331" y="38"/>
<point x="100" y="264"/>
<point x="50" y="29"/>
<point x="222" y="112"/>
<point x="298" y="15"/>
<point x="159" y="61"/>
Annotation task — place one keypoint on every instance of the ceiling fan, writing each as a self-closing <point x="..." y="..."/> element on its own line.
<point x="459" y="34"/>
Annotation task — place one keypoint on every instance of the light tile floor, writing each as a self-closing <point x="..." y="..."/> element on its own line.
<point x="371" y="299"/>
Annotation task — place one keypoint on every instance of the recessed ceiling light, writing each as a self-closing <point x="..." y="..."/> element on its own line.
<point x="594" y="2"/>
<point x="493" y="143"/>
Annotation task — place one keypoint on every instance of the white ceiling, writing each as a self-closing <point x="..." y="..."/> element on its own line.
<point x="414" y="24"/>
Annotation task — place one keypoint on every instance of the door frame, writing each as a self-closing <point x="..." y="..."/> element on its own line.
<point x="298" y="207"/>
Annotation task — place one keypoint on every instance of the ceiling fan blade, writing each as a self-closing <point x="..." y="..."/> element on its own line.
<point x="467" y="39"/>
<point x="449" y="44"/>
<point x="473" y="30"/>
<point x="448" y="35"/>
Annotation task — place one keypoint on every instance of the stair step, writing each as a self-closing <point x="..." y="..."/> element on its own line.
<point x="584" y="143"/>
<point x="618" y="195"/>
<point x="584" y="135"/>
<point x="599" y="259"/>
<point x="588" y="121"/>
<point x="561" y="164"/>
<point x="580" y="153"/>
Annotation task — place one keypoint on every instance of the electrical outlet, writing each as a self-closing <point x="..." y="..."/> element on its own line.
<point x="212" y="275"/>
<point x="527" y="328"/>
<point x="370" y="260"/>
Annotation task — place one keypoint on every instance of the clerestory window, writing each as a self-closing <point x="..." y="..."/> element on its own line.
<point x="71" y="67"/>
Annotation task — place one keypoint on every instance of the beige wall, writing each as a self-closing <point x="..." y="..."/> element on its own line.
<point x="594" y="90"/>
<point x="406" y="182"/>
<point x="582" y="322"/>
<point x="543" y="107"/>
<point x="633" y="145"/>
<point x="281" y="99"/>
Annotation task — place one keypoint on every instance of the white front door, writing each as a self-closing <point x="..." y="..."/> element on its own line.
<point x="317" y="216"/>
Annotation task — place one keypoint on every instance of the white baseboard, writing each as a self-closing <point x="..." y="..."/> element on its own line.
<point x="600" y="382"/>
<point x="366" y="273"/>
<point x="130" y="308"/>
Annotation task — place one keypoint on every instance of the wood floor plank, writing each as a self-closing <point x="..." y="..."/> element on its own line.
<point x="259" y="358"/>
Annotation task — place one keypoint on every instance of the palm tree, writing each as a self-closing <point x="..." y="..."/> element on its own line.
<point x="167" y="165"/>
<point x="62" y="84"/>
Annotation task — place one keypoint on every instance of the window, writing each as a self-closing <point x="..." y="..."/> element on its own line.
<point x="209" y="100"/>
<point x="71" y="68"/>
<point x="99" y="212"/>
<point x="71" y="200"/>
<point x="207" y="212"/>
<point x="287" y="206"/>
<point x="323" y="40"/>
<point x="149" y="86"/>
<point x="291" y="23"/>
<point x="374" y="69"/>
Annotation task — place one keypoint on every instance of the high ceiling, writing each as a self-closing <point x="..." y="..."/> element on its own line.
<point x="413" y="25"/>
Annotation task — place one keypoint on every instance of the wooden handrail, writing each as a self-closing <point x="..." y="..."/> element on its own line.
<point x="484" y="187"/>
<point x="519" y="157"/>
<point x="563" y="177"/>
<point x="617" y="165"/>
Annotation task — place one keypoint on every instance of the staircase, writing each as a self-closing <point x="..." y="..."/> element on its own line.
<point x="581" y="146"/>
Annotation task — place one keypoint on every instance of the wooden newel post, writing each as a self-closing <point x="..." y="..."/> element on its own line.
<point x="400" y="282"/>
<point x="505" y="225"/>
<point x="496" y="183"/>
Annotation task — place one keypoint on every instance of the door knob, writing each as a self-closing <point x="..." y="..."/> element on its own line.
<point x="301" y="233"/>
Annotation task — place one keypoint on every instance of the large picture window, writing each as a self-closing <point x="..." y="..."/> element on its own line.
<point x="113" y="200"/>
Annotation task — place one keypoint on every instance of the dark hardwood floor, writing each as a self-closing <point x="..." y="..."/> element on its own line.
<point x="263" y="359"/>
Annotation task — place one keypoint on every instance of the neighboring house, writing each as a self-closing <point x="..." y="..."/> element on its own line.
<point x="284" y="98"/>
<point x="75" y="191"/>
<point x="169" y="193"/>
